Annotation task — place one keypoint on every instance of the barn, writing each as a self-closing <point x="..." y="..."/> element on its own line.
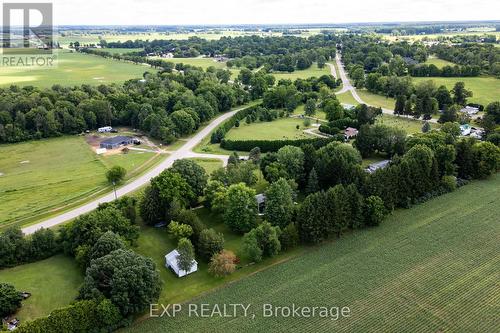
<point x="116" y="142"/>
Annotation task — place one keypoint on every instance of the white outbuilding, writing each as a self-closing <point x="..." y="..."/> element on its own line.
<point x="172" y="263"/>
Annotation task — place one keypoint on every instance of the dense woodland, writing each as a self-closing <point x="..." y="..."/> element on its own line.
<point x="165" y="106"/>
<point x="472" y="55"/>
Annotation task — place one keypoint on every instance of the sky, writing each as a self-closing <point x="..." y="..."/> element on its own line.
<point x="219" y="12"/>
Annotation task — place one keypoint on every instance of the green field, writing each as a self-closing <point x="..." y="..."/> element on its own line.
<point x="286" y="129"/>
<point x="121" y="50"/>
<point x="279" y="129"/>
<point x="209" y="164"/>
<point x="432" y="268"/>
<point x="346" y="98"/>
<point x="155" y="243"/>
<point x="199" y="62"/>
<point x="74" y="69"/>
<point x="53" y="283"/>
<point x="485" y="89"/>
<point x="411" y="126"/>
<point x="303" y="74"/>
<point x="439" y="63"/>
<point x="376" y="100"/>
<point x="65" y="167"/>
<point x="203" y="63"/>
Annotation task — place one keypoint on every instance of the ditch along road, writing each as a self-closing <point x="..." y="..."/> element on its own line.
<point x="348" y="87"/>
<point x="185" y="151"/>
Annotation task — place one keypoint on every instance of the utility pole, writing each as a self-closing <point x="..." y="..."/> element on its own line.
<point x="114" y="188"/>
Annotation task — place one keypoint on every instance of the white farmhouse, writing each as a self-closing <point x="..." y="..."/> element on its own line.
<point x="172" y="263"/>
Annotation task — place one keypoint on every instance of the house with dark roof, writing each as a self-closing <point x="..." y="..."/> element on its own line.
<point x="116" y="141"/>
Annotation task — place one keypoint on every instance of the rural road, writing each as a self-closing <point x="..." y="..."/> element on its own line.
<point x="348" y="87"/>
<point x="186" y="151"/>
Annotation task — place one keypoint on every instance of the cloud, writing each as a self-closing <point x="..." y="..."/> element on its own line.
<point x="173" y="12"/>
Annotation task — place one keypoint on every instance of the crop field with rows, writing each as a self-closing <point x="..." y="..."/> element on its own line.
<point x="431" y="268"/>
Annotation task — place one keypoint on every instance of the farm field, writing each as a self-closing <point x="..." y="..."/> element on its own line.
<point x="203" y="63"/>
<point x="65" y="167"/>
<point x="303" y="74"/>
<point x="485" y="89"/>
<point x="74" y="69"/>
<point x="431" y="268"/>
<point x="121" y="50"/>
<point x="199" y="62"/>
<point x="279" y="129"/>
<point x="53" y="283"/>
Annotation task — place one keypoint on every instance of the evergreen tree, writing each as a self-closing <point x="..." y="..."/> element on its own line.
<point x="399" y="108"/>
<point x="312" y="182"/>
<point x="185" y="259"/>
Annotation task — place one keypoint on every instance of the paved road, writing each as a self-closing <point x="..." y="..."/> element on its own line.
<point x="183" y="152"/>
<point x="347" y="86"/>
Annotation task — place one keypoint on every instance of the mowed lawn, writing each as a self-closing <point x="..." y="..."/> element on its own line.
<point x="74" y="69"/>
<point x="280" y="129"/>
<point x="53" y="283"/>
<point x="312" y="71"/>
<point x="411" y="126"/>
<point x="40" y="176"/>
<point x="209" y="164"/>
<point x="485" y="89"/>
<point x="439" y="63"/>
<point x="156" y="243"/>
<point x="346" y="98"/>
<point x="432" y="268"/>
<point x="376" y="100"/>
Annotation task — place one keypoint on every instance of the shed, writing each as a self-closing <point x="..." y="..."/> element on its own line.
<point x="172" y="263"/>
<point x="116" y="142"/>
<point x="261" y="203"/>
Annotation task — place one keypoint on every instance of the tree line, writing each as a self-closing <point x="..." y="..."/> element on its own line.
<point x="484" y="56"/>
<point x="163" y="105"/>
<point x="286" y="53"/>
